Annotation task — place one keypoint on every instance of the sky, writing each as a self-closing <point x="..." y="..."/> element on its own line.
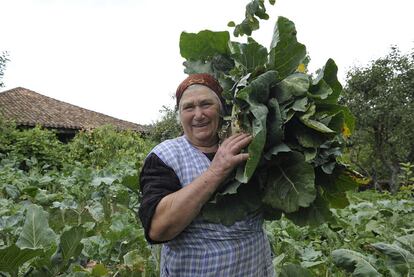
<point x="122" y="57"/>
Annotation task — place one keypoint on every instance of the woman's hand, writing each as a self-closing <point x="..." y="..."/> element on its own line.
<point x="229" y="155"/>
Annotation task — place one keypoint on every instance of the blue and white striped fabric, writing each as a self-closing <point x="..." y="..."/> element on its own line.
<point x="208" y="249"/>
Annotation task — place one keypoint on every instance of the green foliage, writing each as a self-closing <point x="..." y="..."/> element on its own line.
<point x="35" y="147"/>
<point x="12" y="257"/>
<point x="78" y="218"/>
<point x="255" y="10"/>
<point x="299" y="129"/>
<point x="7" y="135"/>
<point x="354" y="243"/>
<point x="354" y="262"/>
<point x="167" y="127"/>
<point x="292" y="270"/>
<point x="36" y="233"/>
<point x="102" y="146"/>
<point x="4" y="58"/>
<point x="406" y="176"/>
<point x="380" y="96"/>
<point x="399" y="256"/>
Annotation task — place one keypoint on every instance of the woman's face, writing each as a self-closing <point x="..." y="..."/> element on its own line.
<point x="199" y="109"/>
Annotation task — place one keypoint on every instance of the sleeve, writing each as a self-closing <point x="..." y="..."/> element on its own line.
<point x="156" y="181"/>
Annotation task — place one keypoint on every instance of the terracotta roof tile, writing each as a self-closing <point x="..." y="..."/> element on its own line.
<point x="29" y="108"/>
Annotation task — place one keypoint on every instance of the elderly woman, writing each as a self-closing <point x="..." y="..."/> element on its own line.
<point x="180" y="175"/>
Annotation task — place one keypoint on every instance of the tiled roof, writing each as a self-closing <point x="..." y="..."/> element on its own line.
<point x="29" y="108"/>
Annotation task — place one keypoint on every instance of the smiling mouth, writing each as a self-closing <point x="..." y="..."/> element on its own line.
<point x="200" y="125"/>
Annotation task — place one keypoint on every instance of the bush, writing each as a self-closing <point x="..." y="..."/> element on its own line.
<point x="105" y="145"/>
<point x="31" y="147"/>
<point x="168" y="127"/>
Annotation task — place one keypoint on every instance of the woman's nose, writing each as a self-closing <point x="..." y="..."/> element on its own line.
<point x="198" y="112"/>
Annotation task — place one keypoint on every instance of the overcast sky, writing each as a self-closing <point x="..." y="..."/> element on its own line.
<point x="121" y="57"/>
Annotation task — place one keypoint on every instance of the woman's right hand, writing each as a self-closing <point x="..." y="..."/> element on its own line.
<point x="229" y="155"/>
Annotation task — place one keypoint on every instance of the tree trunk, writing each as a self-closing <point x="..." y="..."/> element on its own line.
<point x="394" y="184"/>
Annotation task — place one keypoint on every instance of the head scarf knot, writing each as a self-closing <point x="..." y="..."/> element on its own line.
<point x="200" y="79"/>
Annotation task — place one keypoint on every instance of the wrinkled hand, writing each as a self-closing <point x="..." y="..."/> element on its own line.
<point x="228" y="155"/>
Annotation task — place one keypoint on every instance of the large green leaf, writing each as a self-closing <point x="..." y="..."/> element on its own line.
<point x="12" y="257"/>
<point x="315" y="215"/>
<point x="354" y="262"/>
<point x="36" y="232"/>
<point x="250" y="55"/>
<point x="293" y="270"/>
<point x="407" y="242"/>
<point x="320" y="91"/>
<point x="255" y="8"/>
<point x="326" y="109"/>
<point x="192" y="67"/>
<point x="228" y="208"/>
<point x="106" y="180"/>
<point x="301" y="104"/>
<point x="203" y="45"/>
<point x="327" y="77"/>
<point x="222" y="63"/>
<point x="254" y="94"/>
<point x="314" y="124"/>
<point x="286" y="52"/>
<point x="70" y="243"/>
<point x="280" y="148"/>
<point x="398" y="260"/>
<point x="216" y="65"/>
<point x="96" y="210"/>
<point x="306" y="137"/>
<point x="255" y="148"/>
<point x="335" y="185"/>
<point x="259" y="89"/>
<point x="290" y="184"/>
<point x="131" y="182"/>
<point x="99" y="270"/>
<point x="274" y="124"/>
<point x="134" y="260"/>
<point x="296" y="84"/>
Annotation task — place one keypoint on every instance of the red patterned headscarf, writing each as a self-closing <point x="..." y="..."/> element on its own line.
<point x="200" y="79"/>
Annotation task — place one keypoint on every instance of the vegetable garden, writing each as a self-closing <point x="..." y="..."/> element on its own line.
<point x="70" y="210"/>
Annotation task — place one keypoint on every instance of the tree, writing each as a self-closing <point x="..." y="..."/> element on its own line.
<point x="167" y="127"/>
<point x="381" y="96"/>
<point x="3" y="60"/>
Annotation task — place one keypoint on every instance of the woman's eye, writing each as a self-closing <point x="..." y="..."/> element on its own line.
<point x="205" y="105"/>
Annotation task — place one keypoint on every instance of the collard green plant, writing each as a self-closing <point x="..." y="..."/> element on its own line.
<point x="12" y="257"/>
<point x="36" y="232"/>
<point x="298" y="127"/>
<point x="292" y="270"/>
<point x="354" y="262"/>
<point x="398" y="257"/>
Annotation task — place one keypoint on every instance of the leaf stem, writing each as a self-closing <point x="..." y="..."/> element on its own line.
<point x="287" y="178"/>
